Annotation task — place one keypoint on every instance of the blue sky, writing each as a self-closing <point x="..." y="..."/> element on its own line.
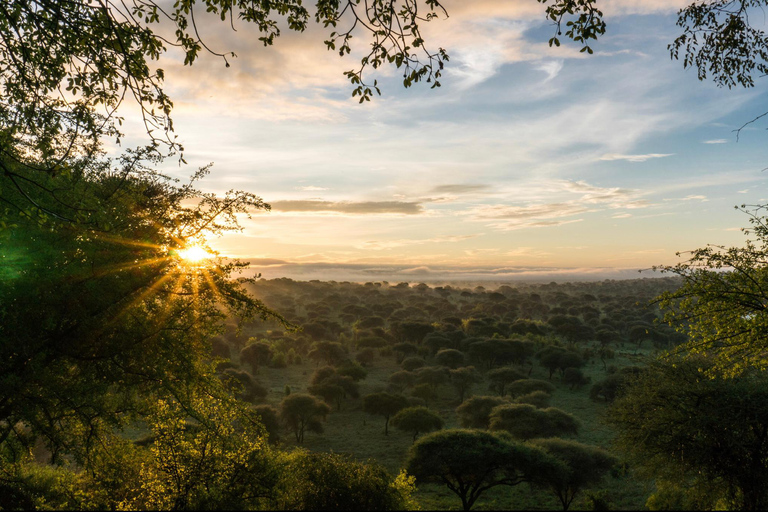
<point x="529" y="161"/>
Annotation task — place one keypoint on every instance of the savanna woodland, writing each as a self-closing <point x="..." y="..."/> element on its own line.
<point x="140" y="370"/>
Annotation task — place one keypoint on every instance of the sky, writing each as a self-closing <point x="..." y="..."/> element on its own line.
<point x="529" y="162"/>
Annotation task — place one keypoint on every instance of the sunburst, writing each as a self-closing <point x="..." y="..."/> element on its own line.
<point x="194" y="255"/>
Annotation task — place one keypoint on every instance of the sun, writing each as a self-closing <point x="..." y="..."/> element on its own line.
<point x="194" y="254"/>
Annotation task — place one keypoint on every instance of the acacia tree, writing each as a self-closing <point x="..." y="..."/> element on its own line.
<point x="462" y="380"/>
<point x="469" y="462"/>
<point x="384" y="404"/>
<point x="583" y="467"/>
<point x="476" y="411"/>
<point x="300" y="412"/>
<point x="417" y="420"/>
<point x="525" y="421"/>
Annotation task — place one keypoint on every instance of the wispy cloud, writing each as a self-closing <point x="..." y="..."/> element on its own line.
<point x="312" y="188"/>
<point x="551" y="68"/>
<point x="715" y="141"/>
<point x="461" y="188"/>
<point x="391" y="244"/>
<point x="349" y="207"/>
<point x="690" y="197"/>
<point x="591" y="198"/>
<point x="634" y="158"/>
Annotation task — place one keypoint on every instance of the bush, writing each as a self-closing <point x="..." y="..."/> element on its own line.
<point x="329" y="481"/>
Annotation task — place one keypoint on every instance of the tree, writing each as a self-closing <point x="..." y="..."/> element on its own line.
<point x="432" y="376"/>
<point x="402" y="379"/>
<point x="300" y="412"/>
<point x="574" y="378"/>
<point x="242" y="385"/>
<point x="365" y="356"/>
<point x="417" y="420"/>
<point x="269" y="417"/>
<point x="721" y="304"/>
<point x="353" y="370"/>
<point x="476" y="411"/>
<point x="412" y="363"/>
<point x="220" y="461"/>
<point x="330" y="481"/>
<point x="384" y="404"/>
<point x="584" y="466"/>
<point x="538" y="399"/>
<point x="255" y="354"/>
<point x="450" y="357"/>
<point x="330" y="352"/>
<point x="469" y="462"/>
<point x="103" y="315"/>
<point x="462" y="379"/>
<point x="525" y="386"/>
<point x="499" y="378"/>
<point x="525" y="421"/>
<point x="708" y="427"/>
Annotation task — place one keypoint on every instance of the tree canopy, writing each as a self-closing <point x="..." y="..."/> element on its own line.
<point x="722" y="303"/>
<point x="469" y="462"/>
<point x="707" y="429"/>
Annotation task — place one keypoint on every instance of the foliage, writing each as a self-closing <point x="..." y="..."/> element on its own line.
<point x="255" y="354"/>
<point x="384" y="404"/>
<point x="269" y="417"/>
<point x="705" y="427"/>
<point x="469" y="462"/>
<point x="413" y="363"/>
<point x="538" y="399"/>
<point x="476" y="411"/>
<point x="584" y="466"/>
<point x="450" y="357"/>
<point x="219" y="461"/>
<point x="574" y="378"/>
<point x="718" y="37"/>
<point x="525" y="386"/>
<point x="100" y="316"/>
<point x="329" y="481"/>
<point x="329" y="352"/>
<point x="300" y="413"/>
<point x="500" y="377"/>
<point x="721" y="305"/>
<point x="462" y="379"/>
<point x="525" y="421"/>
<point x="417" y="420"/>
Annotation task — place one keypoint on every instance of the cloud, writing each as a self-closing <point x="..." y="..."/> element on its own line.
<point x="634" y="158"/>
<point x="551" y="68"/>
<point x="538" y="211"/>
<point x="439" y="274"/>
<point x="417" y="271"/>
<point x="690" y="197"/>
<point x="591" y="199"/>
<point x="349" y="207"/>
<point x="715" y="141"/>
<point x="391" y="244"/>
<point x="267" y="262"/>
<point x="311" y="188"/>
<point x="461" y="188"/>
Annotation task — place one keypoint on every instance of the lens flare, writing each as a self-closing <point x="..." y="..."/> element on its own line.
<point x="194" y="254"/>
